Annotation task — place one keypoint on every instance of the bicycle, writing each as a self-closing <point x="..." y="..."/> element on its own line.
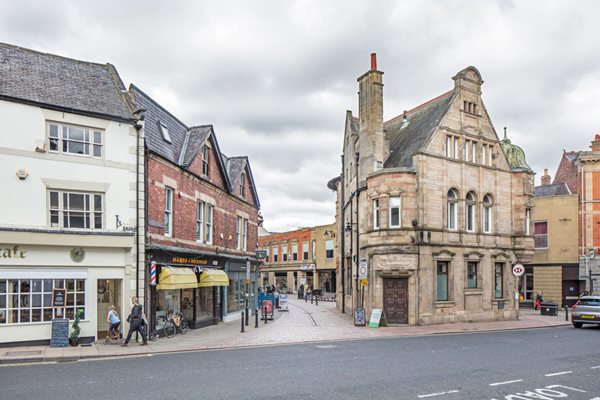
<point x="173" y="324"/>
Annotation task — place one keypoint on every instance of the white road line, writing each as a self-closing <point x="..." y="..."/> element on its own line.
<point x="596" y="367"/>
<point x="421" y="396"/>
<point x="559" y="373"/>
<point x="505" y="383"/>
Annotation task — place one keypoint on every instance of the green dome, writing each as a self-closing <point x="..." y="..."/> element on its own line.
<point x="514" y="154"/>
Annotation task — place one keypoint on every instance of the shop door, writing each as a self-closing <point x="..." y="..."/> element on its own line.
<point x="570" y="292"/>
<point x="395" y="300"/>
<point x="108" y="293"/>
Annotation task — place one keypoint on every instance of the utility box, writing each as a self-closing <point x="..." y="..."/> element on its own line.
<point x="549" y="308"/>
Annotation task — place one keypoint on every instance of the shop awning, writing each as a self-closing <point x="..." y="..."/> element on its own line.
<point x="213" y="277"/>
<point x="176" y="278"/>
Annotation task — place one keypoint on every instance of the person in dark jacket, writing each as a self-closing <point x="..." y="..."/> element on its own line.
<point x="136" y="322"/>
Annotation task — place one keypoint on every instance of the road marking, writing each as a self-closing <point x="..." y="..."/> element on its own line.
<point x="559" y="373"/>
<point x="505" y="383"/>
<point x="596" y="367"/>
<point x="421" y="396"/>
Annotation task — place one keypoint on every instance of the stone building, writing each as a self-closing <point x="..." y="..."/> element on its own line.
<point x="303" y="256"/>
<point x="434" y="204"/>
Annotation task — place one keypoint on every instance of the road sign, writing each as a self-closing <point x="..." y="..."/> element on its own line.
<point x="518" y="270"/>
<point x="364" y="282"/>
<point x="362" y="269"/>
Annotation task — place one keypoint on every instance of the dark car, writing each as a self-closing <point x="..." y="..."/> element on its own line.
<point x="586" y="311"/>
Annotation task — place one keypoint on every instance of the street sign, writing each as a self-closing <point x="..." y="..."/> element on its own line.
<point x="518" y="270"/>
<point x="364" y="282"/>
<point x="247" y="271"/>
<point x="362" y="269"/>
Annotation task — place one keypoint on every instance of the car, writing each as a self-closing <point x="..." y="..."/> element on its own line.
<point x="586" y="311"/>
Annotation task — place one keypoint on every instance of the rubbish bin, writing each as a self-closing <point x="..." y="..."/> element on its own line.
<point x="549" y="308"/>
<point x="300" y="294"/>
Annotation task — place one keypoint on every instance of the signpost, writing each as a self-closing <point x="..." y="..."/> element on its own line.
<point x="518" y="270"/>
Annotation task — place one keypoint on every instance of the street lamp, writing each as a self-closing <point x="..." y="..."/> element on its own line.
<point x="349" y="229"/>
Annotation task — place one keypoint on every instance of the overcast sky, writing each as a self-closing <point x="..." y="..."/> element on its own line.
<point x="276" y="77"/>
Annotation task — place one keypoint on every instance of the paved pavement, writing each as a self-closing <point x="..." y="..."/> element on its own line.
<point x="304" y="322"/>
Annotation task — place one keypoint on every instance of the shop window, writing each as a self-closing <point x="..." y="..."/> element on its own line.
<point x="540" y="234"/>
<point x="498" y="281"/>
<point x="471" y="275"/>
<point x="204" y="304"/>
<point x="442" y="281"/>
<point x="25" y="301"/>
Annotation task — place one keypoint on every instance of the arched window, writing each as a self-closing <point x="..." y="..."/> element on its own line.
<point x="470" y="212"/>
<point x="451" y="209"/>
<point x="487" y="214"/>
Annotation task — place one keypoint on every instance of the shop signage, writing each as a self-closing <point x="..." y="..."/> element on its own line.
<point x="60" y="332"/>
<point x="377" y="318"/>
<point x="193" y="261"/>
<point x="12" y="252"/>
<point x="359" y="316"/>
<point x="518" y="270"/>
<point x="307" y="267"/>
<point x="153" y="273"/>
<point x="58" y="297"/>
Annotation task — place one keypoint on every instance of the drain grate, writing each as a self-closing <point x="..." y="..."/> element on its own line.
<point x="23" y="353"/>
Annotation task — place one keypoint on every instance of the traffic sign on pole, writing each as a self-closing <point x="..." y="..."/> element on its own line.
<point x="362" y="269"/>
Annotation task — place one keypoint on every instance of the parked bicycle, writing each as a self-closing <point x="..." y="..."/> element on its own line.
<point x="171" y="325"/>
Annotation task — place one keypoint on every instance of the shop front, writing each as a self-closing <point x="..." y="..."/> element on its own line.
<point x="242" y="286"/>
<point x="190" y="285"/>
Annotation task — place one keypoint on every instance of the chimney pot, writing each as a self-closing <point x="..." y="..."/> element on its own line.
<point x="373" y="61"/>
<point x="545" y="178"/>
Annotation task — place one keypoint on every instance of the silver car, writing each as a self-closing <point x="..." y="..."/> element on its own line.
<point x="586" y="311"/>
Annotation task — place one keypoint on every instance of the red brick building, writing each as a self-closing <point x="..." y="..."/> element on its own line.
<point x="201" y="223"/>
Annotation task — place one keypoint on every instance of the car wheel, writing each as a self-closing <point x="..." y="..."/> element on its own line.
<point x="577" y="324"/>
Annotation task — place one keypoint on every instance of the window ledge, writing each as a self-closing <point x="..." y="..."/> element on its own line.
<point x="473" y="291"/>
<point x="497" y="300"/>
<point x="444" y="304"/>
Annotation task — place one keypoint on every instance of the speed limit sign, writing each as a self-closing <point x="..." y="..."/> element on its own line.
<point x="518" y="270"/>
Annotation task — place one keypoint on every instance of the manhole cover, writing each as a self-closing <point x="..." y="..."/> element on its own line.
<point x="23" y="353"/>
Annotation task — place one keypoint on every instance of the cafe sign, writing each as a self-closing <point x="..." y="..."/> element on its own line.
<point x="194" y="261"/>
<point x="12" y="252"/>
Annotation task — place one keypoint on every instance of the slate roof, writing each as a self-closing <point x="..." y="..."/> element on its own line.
<point x="197" y="136"/>
<point x="555" y="189"/>
<point x="55" y="82"/>
<point x="407" y="139"/>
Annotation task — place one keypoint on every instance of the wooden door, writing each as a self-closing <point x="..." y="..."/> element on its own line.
<point x="395" y="300"/>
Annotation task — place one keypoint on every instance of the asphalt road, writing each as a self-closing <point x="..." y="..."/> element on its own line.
<point x="514" y="365"/>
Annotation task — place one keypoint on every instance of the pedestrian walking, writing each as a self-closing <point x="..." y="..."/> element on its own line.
<point x="538" y="300"/>
<point x="113" y="319"/>
<point x="136" y="322"/>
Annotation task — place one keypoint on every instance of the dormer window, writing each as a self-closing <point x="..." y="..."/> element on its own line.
<point x="205" y="160"/>
<point x="165" y="133"/>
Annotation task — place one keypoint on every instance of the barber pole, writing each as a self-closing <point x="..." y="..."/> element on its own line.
<point x="153" y="273"/>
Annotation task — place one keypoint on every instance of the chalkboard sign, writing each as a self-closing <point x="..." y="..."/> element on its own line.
<point x="359" y="317"/>
<point x="58" y="297"/>
<point x="60" y="332"/>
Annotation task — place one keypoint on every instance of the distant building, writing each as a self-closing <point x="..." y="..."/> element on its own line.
<point x="434" y="205"/>
<point x="302" y="257"/>
<point x="68" y="145"/>
<point x="202" y="221"/>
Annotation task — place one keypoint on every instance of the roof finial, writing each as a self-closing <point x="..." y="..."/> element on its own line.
<point x="504" y="132"/>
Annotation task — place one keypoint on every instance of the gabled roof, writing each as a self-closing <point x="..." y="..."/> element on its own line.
<point x="197" y="137"/>
<point x="60" y="83"/>
<point x="567" y="170"/>
<point x="407" y="137"/>
<point x="557" y="189"/>
<point x="235" y="167"/>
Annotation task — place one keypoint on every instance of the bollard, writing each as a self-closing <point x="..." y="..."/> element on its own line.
<point x="256" y="318"/>
<point x="242" y="331"/>
<point x="265" y="313"/>
<point x="311" y="298"/>
<point x="317" y="300"/>
<point x="566" y="313"/>
<point x="247" y="314"/>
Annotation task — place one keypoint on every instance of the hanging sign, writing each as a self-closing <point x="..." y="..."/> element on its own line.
<point x="518" y="270"/>
<point x="58" y="297"/>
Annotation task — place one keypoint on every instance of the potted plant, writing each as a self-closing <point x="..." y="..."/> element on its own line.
<point x="74" y="337"/>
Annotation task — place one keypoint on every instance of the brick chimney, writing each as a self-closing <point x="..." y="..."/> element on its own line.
<point x="370" y="114"/>
<point x="596" y="143"/>
<point x="545" y="178"/>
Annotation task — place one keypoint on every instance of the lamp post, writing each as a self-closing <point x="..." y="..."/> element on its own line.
<point x="348" y="228"/>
